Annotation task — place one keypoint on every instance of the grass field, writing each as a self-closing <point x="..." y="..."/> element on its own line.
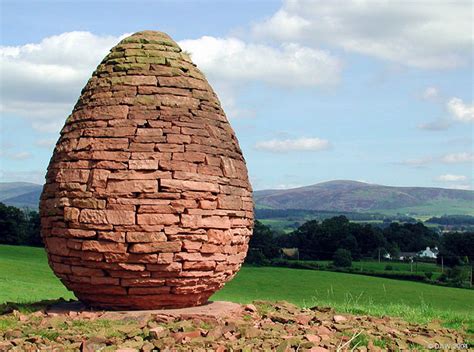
<point x="25" y="277"/>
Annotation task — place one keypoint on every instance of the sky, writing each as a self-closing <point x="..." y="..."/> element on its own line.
<point x="374" y="91"/>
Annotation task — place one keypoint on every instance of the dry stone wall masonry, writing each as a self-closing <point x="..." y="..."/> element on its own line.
<point x="147" y="202"/>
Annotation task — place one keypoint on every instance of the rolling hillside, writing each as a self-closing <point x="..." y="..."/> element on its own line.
<point x="363" y="197"/>
<point x="20" y="194"/>
<point x="343" y="196"/>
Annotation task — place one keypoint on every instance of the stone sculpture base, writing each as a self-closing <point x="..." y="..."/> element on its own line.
<point x="217" y="309"/>
<point x="145" y="302"/>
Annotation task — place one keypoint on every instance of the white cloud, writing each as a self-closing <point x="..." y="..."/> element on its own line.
<point x="430" y="93"/>
<point x="41" y="81"/>
<point x="460" y="111"/>
<point x="451" y="178"/>
<point x="291" y="145"/>
<point x="458" y="158"/>
<point x="437" y="125"/>
<point x="418" y="162"/>
<point x="423" y="34"/>
<point x="289" y="65"/>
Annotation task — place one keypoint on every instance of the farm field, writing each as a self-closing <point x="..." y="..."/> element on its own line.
<point x="25" y="277"/>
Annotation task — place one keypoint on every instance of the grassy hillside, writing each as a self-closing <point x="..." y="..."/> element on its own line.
<point x="25" y="277"/>
<point x="362" y="197"/>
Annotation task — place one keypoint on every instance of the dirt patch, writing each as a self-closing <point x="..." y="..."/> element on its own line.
<point x="262" y="325"/>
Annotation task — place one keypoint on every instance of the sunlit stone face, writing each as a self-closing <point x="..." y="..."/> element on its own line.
<point x="147" y="202"/>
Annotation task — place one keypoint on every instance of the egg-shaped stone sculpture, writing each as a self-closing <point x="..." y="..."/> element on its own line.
<point x="147" y="202"/>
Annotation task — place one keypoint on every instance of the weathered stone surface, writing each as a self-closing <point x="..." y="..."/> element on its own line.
<point x="147" y="202"/>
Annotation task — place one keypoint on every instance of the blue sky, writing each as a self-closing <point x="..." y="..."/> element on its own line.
<point x="316" y="90"/>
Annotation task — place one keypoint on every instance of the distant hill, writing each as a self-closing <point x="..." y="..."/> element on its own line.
<point x="342" y="196"/>
<point x="355" y="196"/>
<point x="20" y="194"/>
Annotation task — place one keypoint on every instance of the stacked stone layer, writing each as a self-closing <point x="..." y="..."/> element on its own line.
<point x="147" y="202"/>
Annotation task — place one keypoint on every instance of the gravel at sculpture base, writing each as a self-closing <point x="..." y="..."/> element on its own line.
<point x="147" y="202"/>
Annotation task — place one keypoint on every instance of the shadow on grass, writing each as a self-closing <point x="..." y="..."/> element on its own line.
<point x="31" y="307"/>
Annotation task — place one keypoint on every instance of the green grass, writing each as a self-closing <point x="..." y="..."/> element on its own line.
<point x="25" y="277"/>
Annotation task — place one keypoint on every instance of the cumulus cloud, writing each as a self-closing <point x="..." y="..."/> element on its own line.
<point x="460" y="111"/>
<point x="291" y="145"/>
<point x="41" y="81"/>
<point x="289" y="65"/>
<point x="423" y="34"/>
<point x="451" y="178"/>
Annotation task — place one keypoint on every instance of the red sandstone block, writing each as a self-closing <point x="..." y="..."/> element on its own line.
<point x="104" y="247"/>
<point x="109" y="156"/>
<point x="157" y="209"/>
<point x="192" y="246"/>
<point x="178" y="138"/>
<point x="71" y="214"/>
<point x="189" y="185"/>
<point x="114" y="236"/>
<point x="125" y="187"/>
<point x="143" y="164"/>
<point x="176" y="165"/>
<point x="145" y="237"/>
<point x="129" y="274"/>
<point x="193" y="157"/>
<point x="149" y="290"/>
<point x="120" y="217"/>
<point x="154" y="247"/>
<point x="57" y="245"/>
<point x="157" y="219"/>
<point x="92" y="216"/>
<point x="142" y="282"/>
<point x="61" y="268"/>
<point x="165" y="258"/>
<point x="72" y="175"/>
<point x="99" y="178"/>
<point x="172" y="267"/>
<point x="82" y="271"/>
<point x="206" y="204"/>
<point x="102" y="143"/>
<point x="88" y="203"/>
<point x="169" y="148"/>
<point x="210" y="248"/>
<point x="132" y="267"/>
<point x="229" y="202"/>
<point x="110" y="132"/>
<point x="151" y="132"/>
<point x="105" y="281"/>
<point x="203" y="265"/>
<point x="188" y="257"/>
<point x="74" y="244"/>
<point x="111" y="165"/>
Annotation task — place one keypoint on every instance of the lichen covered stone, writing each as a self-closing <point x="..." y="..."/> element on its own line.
<point x="147" y="202"/>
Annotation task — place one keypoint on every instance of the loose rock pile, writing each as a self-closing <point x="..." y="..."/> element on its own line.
<point x="147" y="201"/>
<point x="261" y="326"/>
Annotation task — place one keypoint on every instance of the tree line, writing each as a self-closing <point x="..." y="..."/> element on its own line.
<point x="317" y="240"/>
<point x="19" y="227"/>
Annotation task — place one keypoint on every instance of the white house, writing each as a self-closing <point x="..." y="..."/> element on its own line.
<point x="428" y="253"/>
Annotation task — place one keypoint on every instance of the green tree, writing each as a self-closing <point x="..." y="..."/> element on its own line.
<point x="342" y="258"/>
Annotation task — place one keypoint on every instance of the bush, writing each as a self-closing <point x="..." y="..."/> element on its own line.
<point x="429" y="275"/>
<point x="342" y="258"/>
<point x="388" y="267"/>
